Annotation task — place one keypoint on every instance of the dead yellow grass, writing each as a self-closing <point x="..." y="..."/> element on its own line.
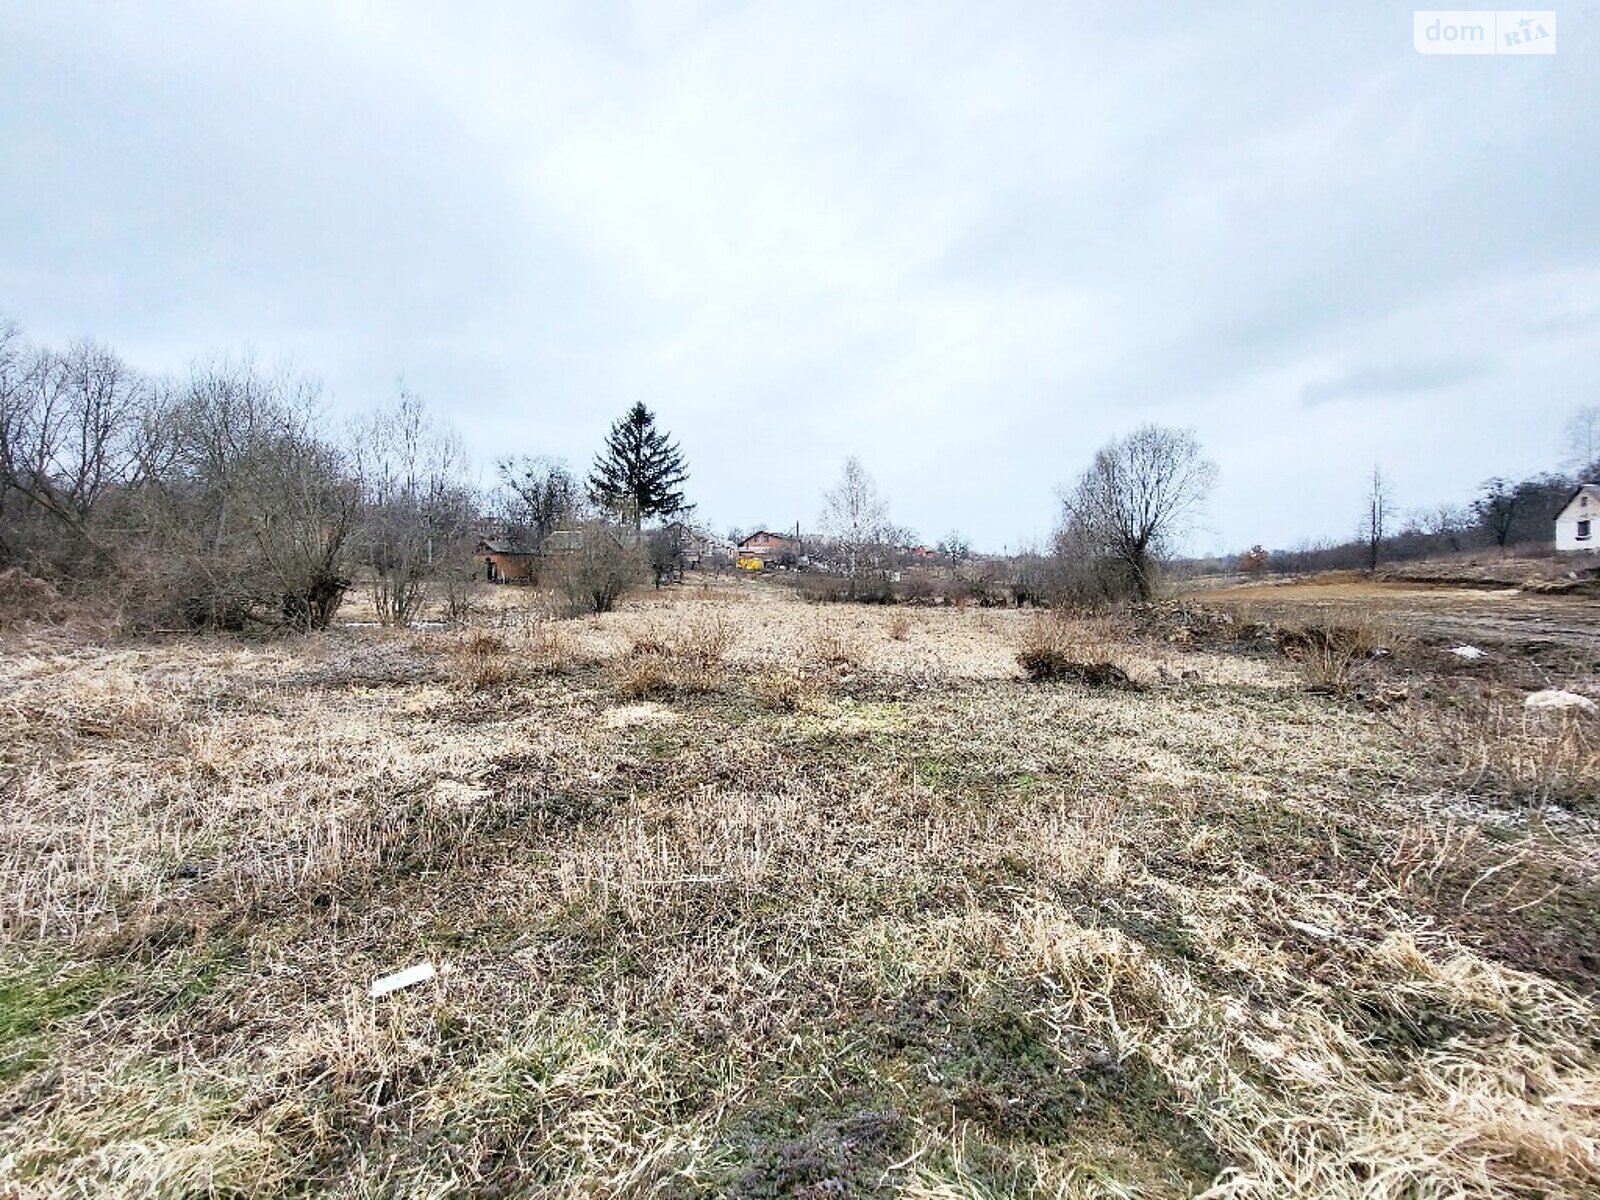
<point x="1498" y="746"/>
<point x="892" y="922"/>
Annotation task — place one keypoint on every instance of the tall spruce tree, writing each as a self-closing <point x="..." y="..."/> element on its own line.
<point x="639" y="472"/>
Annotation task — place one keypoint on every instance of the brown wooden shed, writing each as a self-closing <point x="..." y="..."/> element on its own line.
<point x="506" y="561"/>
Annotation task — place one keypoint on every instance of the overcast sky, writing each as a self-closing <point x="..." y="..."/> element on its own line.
<point x="967" y="242"/>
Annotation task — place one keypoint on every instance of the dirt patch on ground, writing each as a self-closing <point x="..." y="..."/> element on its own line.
<point x="1509" y="619"/>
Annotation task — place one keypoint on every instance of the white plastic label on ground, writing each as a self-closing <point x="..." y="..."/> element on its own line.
<point x="403" y="979"/>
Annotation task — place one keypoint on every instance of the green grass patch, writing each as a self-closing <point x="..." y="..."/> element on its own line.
<point x="990" y="1063"/>
<point x="36" y="1001"/>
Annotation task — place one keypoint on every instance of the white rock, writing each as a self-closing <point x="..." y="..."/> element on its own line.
<point x="1556" y="698"/>
<point x="1466" y="652"/>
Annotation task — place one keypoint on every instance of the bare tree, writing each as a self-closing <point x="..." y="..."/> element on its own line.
<point x="1379" y="513"/>
<point x="954" y="548"/>
<point x="416" y="509"/>
<point x="67" y="436"/>
<point x="1442" y="525"/>
<point x="856" y="517"/>
<point x="12" y="409"/>
<point x="10" y="350"/>
<point x="210" y="430"/>
<point x="256" y="506"/>
<point x="538" y="495"/>
<point x="1496" y="509"/>
<point x="1137" y="497"/>
<point x="1582" y="443"/>
<point x="220" y="500"/>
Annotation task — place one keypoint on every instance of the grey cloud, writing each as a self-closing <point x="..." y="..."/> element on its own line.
<point x="1395" y="379"/>
<point x="966" y="245"/>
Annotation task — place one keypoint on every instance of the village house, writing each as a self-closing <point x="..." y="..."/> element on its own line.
<point x="765" y="548"/>
<point x="694" y="548"/>
<point x="1575" y="525"/>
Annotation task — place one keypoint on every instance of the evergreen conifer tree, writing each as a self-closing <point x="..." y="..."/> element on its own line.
<point x="641" y="470"/>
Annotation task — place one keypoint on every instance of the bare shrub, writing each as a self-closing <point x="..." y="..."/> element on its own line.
<point x="483" y="661"/>
<point x="1046" y="664"/>
<point x="831" y="646"/>
<point x="650" y="644"/>
<point x="899" y="625"/>
<point x="688" y="659"/>
<point x="916" y="587"/>
<point x="25" y="599"/>
<point x="1336" y="656"/>
<point x="1055" y="647"/>
<point x="593" y="573"/>
<point x="705" y="641"/>
<point x="541" y="647"/>
<point x="260" y="505"/>
<point x="1496" y="745"/>
<point x="549" y="644"/>
<point x="644" y="671"/>
<point x="784" y="691"/>
<point x="460" y="600"/>
<point x="818" y="587"/>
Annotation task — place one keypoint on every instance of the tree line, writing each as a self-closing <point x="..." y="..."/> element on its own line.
<point x="1118" y="523"/>
<point x="1121" y="521"/>
<point x="229" y="499"/>
<point x="1505" y="514"/>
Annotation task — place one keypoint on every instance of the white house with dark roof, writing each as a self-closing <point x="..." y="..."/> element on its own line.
<point x="1578" y="524"/>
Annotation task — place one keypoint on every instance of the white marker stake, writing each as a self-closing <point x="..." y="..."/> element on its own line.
<point x="402" y="979"/>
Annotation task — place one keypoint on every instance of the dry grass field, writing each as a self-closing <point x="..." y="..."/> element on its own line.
<point x="1523" y="622"/>
<point x="732" y="895"/>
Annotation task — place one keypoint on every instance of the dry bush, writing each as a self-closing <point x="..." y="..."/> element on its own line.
<point x="515" y="649"/>
<point x="899" y="625"/>
<point x="592" y="577"/>
<point x="817" y="587"/>
<point x="26" y="599"/>
<point x="689" y="658"/>
<point x="704" y="641"/>
<point x="649" y="643"/>
<point x="834" y="647"/>
<point x="644" y="671"/>
<point x="785" y="691"/>
<point x="1498" y="746"/>
<point x="1337" y="655"/>
<point x="483" y="661"/>
<point x="546" y="647"/>
<point x="460" y="602"/>
<point x="1058" y="647"/>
